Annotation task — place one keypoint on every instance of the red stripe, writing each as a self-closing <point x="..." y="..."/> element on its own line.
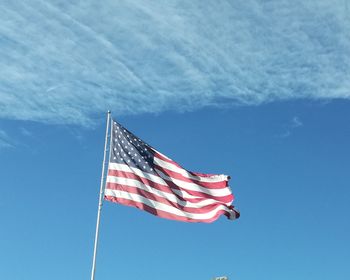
<point x="195" y="174"/>
<point x="160" y="156"/>
<point x="161" y="213"/>
<point x="163" y="200"/>
<point x="215" y="185"/>
<point x="168" y="160"/>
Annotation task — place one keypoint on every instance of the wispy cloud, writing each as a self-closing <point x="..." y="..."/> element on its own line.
<point x="5" y="141"/>
<point x="296" y="122"/>
<point x="25" y="132"/>
<point x="293" y="124"/>
<point x="64" y="61"/>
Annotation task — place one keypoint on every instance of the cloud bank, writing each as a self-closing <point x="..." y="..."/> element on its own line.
<point x="64" y="61"/>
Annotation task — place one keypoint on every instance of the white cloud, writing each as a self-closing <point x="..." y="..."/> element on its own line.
<point x="63" y="62"/>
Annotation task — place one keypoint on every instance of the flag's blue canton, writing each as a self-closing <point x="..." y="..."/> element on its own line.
<point x="131" y="150"/>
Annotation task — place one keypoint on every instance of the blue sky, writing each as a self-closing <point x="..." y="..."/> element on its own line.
<point x="258" y="90"/>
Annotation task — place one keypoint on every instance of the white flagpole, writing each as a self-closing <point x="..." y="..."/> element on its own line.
<point x="100" y="198"/>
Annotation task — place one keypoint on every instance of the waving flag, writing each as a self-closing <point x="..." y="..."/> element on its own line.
<point x="142" y="177"/>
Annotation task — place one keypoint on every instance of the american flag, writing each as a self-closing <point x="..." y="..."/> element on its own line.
<point x="142" y="177"/>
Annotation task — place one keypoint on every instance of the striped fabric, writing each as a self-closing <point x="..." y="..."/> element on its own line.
<point x="142" y="177"/>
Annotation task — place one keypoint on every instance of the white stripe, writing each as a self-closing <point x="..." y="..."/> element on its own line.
<point x="183" y="172"/>
<point x="184" y="185"/>
<point x="168" y="196"/>
<point x="166" y="208"/>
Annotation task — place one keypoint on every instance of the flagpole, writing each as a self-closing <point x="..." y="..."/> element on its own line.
<point x="100" y="198"/>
